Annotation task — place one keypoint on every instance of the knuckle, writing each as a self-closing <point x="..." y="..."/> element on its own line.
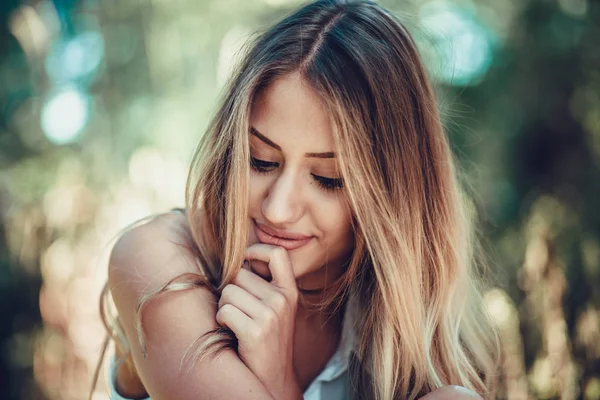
<point x="224" y="299"/>
<point x="279" y="302"/>
<point x="225" y="310"/>
<point x="226" y="292"/>
<point x="237" y="278"/>
<point x="248" y="252"/>
<point x="270" y="317"/>
<point x="255" y="335"/>
<point x="220" y="317"/>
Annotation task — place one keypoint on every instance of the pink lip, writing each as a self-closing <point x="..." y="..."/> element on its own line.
<point x="287" y="240"/>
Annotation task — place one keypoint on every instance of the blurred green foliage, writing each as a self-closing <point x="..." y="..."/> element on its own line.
<point x="101" y="102"/>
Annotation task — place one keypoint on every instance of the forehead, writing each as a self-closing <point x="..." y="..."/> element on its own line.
<point x="290" y="111"/>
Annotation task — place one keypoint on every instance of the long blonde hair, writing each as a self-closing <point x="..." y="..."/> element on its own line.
<point x="421" y="323"/>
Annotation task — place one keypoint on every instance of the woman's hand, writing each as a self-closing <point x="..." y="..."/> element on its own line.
<point x="262" y="315"/>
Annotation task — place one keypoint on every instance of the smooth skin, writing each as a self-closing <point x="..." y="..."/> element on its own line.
<point x="262" y="314"/>
<point x="294" y="181"/>
<point x="144" y="259"/>
<point x="136" y="265"/>
<point x="294" y="188"/>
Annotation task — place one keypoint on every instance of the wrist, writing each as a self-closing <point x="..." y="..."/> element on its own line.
<point x="289" y="389"/>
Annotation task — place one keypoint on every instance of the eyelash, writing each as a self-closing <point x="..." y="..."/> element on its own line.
<point x="328" y="184"/>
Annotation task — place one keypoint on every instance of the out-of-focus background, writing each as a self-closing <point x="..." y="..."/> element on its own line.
<point x="102" y="102"/>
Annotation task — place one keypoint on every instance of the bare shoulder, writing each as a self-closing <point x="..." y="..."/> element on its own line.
<point x="143" y="260"/>
<point x="452" y="393"/>
<point x="152" y="253"/>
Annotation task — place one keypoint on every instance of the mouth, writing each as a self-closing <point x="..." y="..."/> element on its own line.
<point x="288" y="240"/>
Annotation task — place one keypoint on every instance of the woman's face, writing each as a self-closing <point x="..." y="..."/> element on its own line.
<point x="297" y="199"/>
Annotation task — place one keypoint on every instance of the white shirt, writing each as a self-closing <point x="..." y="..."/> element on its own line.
<point x="330" y="384"/>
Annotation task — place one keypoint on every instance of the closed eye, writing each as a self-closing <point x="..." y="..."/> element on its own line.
<point x="329" y="184"/>
<point x="264" y="167"/>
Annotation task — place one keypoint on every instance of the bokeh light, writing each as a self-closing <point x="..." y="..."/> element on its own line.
<point x="64" y="115"/>
<point x="132" y="86"/>
<point x="77" y="58"/>
<point x="462" y="51"/>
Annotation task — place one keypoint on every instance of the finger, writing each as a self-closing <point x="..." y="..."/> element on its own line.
<point x="253" y="284"/>
<point x="260" y="268"/>
<point x="278" y="261"/>
<point x="233" y="318"/>
<point x="245" y="302"/>
<point x="273" y="297"/>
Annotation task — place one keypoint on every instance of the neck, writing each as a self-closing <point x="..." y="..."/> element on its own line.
<point x="317" y="336"/>
<point x="323" y="320"/>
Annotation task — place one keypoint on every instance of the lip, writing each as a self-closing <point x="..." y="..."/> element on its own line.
<point x="287" y="240"/>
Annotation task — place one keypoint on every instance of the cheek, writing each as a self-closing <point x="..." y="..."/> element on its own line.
<point x="258" y="187"/>
<point x="336" y="219"/>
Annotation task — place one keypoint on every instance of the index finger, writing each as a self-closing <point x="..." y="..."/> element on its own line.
<point x="279" y="263"/>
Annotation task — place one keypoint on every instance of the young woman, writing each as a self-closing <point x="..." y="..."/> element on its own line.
<point x="326" y="248"/>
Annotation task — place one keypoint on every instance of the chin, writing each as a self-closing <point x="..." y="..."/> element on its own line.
<point x="301" y="268"/>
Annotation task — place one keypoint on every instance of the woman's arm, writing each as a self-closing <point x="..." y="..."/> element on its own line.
<point x="144" y="259"/>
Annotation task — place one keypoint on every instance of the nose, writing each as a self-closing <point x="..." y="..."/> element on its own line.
<point x="283" y="202"/>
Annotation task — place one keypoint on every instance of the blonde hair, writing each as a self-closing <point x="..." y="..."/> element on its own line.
<point x="421" y="323"/>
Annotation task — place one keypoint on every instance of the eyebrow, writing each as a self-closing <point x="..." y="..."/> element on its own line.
<point x="266" y="140"/>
